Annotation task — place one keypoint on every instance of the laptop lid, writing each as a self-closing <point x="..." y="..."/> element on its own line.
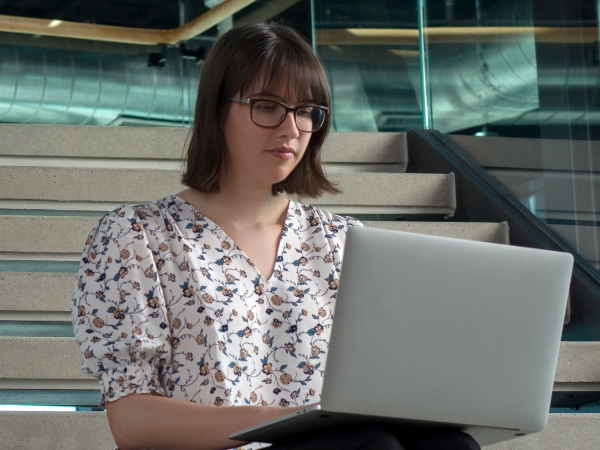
<point x="446" y="330"/>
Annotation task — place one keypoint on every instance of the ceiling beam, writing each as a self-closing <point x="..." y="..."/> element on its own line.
<point x="453" y="35"/>
<point x="267" y="11"/>
<point x="125" y="35"/>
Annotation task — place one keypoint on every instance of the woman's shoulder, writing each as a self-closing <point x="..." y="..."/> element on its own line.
<point x="141" y="213"/>
<point x="329" y="220"/>
<point x="131" y="222"/>
<point x="324" y="227"/>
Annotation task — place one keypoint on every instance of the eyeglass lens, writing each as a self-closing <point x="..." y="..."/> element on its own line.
<point x="271" y="114"/>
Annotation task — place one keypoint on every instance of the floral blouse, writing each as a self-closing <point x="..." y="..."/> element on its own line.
<point x="166" y="302"/>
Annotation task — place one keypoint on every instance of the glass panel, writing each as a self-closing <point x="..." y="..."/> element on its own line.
<point x="501" y="70"/>
<point x="371" y="54"/>
<point x="50" y="80"/>
<point x="57" y="81"/>
<point x="482" y="66"/>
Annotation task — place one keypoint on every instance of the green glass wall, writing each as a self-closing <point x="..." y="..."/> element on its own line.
<point x="516" y="83"/>
<point x="523" y="76"/>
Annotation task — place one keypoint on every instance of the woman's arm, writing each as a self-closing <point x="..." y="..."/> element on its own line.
<point x="147" y="421"/>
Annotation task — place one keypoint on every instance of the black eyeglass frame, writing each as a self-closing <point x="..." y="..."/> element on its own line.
<point x="251" y="101"/>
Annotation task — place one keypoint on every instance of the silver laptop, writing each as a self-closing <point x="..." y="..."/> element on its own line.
<point x="438" y="332"/>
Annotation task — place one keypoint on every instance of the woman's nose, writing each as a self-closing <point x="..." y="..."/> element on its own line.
<point x="288" y="126"/>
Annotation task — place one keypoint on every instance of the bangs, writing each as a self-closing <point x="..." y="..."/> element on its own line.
<point x="295" y="74"/>
<point x="281" y="62"/>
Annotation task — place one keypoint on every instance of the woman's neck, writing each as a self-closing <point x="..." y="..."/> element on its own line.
<point x="239" y="208"/>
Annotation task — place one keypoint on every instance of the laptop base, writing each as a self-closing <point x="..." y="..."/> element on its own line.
<point x="314" y="422"/>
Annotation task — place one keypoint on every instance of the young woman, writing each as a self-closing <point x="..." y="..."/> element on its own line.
<point x="209" y="311"/>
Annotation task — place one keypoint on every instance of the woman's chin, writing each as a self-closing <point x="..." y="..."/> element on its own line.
<point x="279" y="176"/>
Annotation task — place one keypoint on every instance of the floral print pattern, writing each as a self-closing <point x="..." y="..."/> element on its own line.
<point x="166" y="302"/>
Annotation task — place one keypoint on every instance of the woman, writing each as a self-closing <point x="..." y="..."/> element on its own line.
<point x="223" y="294"/>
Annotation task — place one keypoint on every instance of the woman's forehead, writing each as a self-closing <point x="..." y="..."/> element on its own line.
<point x="283" y="88"/>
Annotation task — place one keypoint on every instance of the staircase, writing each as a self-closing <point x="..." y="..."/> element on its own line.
<point x="557" y="179"/>
<point x="56" y="181"/>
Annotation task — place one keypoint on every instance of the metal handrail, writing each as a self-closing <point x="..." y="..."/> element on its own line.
<point x="125" y="35"/>
<point x="482" y="198"/>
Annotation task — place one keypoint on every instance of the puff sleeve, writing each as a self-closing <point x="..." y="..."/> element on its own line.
<point x="335" y="228"/>
<point x="118" y="309"/>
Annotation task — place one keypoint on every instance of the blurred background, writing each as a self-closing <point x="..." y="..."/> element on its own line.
<point x="522" y="74"/>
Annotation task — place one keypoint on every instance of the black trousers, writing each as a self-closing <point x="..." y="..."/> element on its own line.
<point x="377" y="438"/>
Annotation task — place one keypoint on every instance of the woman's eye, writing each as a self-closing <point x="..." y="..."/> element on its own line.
<point x="304" y="112"/>
<point x="265" y="107"/>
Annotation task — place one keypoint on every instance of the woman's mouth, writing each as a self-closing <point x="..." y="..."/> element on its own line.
<point x="282" y="153"/>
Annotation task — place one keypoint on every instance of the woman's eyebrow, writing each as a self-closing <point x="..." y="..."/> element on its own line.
<point x="265" y="94"/>
<point x="282" y="100"/>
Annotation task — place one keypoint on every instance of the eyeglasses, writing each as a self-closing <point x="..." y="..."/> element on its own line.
<point x="271" y="114"/>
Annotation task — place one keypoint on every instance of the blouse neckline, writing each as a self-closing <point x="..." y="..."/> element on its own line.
<point x="225" y="237"/>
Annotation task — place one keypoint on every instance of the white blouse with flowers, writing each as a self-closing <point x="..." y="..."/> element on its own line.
<point x="166" y="302"/>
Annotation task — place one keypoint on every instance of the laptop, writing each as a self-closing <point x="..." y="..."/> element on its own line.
<point x="438" y="332"/>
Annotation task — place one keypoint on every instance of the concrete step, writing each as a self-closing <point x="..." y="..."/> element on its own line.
<point x="55" y="430"/>
<point x="44" y="237"/>
<point x="564" y="431"/>
<point x="564" y="173"/>
<point x="102" y="189"/>
<point x="537" y="154"/>
<point x="26" y="144"/>
<point x="53" y="359"/>
<point x="62" y="239"/>
<point x="496" y="233"/>
<point x="54" y="363"/>
<point x="77" y="430"/>
<point x="563" y="193"/>
<point x="37" y="297"/>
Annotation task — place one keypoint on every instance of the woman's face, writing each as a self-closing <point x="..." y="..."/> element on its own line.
<point x="262" y="156"/>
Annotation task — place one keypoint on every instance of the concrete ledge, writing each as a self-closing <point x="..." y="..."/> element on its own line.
<point x="170" y="143"/>
<point x="59" y="359"/>
<point x="73" y="184"/>
<point x="41" y="359"/>
<point x="562" y="193"/>
<point x="579" y="362"/>
<point x="564" y="432"/>
<point x="55" y="430"/>
<point x="67" y="235"/>
<point x="33" y="292"/>
<point x="369" y="190"/>
<point x="523" y="153"/>
<point x="37" y="296"/>
<point x="93" y="142"/>
<point x="350" y="147"/>
<point x="78" y="430"/>
<point x="407" y="189"/>
<point x="31" y="234"/>
<point x="496" y="233"/>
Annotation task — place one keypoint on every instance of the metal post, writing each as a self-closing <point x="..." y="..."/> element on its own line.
<point x="424" y="63"/>
<point x="313" y="34"/>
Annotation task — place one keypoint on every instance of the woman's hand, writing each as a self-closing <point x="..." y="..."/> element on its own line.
<point x="147" y="421"/>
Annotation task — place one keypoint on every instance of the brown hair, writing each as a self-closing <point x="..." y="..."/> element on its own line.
<point x="270" y="53"/>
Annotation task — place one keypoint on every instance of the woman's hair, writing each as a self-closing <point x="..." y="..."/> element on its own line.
<point x="270" y="54"/>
